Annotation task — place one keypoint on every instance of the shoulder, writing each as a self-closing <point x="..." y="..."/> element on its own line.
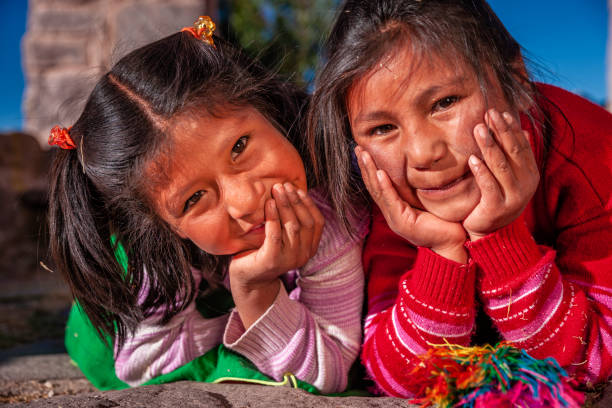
<point x="579" y="158"/>
<point x="575" y="121"/>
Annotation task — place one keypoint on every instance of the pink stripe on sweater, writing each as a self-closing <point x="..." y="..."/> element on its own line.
<point x="530" y="286"/>
<point x="437" y="328"/>
<point x="546" y="312"/>
<point x="403" y="337"/>
<point x="396" y="388"/>
<point x="594" y="359"/>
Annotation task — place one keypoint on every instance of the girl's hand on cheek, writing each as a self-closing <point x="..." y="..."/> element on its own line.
<point x="419" y="227"/>
<point x="507" y="178"/>
<point x="293" y="229"/>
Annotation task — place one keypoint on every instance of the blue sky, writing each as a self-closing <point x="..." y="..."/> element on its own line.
<point x="568" y="38"/>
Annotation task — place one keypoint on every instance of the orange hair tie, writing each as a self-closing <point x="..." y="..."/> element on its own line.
<point x="61" y="137"/>
<point x="202" y="29"/>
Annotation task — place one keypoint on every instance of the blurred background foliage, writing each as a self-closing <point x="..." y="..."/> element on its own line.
<point x="286" y="35"/>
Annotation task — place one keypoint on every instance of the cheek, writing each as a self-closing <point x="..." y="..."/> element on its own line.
<point x="391" y="159"/>
<point x="388" y="158"/>
<point x="463" y="141"/>
<point x="199" y="232"/>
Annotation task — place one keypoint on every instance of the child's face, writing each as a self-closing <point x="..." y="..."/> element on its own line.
<point x="221" y="173"/>
<point x="417" y="122"/>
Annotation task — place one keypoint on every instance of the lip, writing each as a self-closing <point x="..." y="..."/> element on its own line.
<point x="256" y="228"/>
<point x="445" y="190"/>
<point x="445" y="186"/>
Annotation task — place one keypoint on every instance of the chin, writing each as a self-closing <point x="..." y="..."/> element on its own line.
<point x="452" y="213"/>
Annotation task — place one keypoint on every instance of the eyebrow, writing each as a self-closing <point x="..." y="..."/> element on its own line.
<point x="374" y="116"/>
<point x="421" y="98"/>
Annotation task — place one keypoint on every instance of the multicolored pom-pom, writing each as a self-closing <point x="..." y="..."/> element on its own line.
<point x="501" y="376"/>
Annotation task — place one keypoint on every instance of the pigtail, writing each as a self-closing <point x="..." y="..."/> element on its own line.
<point x="122" y="262"/>
<point x="81" y="248"/>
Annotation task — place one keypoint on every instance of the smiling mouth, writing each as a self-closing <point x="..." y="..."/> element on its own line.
<point x="446" y="186"/>
<point x="256" y="228"/>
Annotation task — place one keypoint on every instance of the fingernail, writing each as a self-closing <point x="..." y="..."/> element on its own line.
<point x="288" y="187"/>
<point x="507" y="117"/>
<point x="301" y="193"/>
<point x="379" y="175"/>
<point x="474" y="161"/>
<point x="279" y="188"/>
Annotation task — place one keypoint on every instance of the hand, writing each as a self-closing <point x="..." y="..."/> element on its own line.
<point x="293" y="229"/>
<point x="419" y="227"/>
<point x="507" y="178"/>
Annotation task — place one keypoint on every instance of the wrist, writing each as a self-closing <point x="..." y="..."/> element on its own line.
<point x="475" y="236"/>
<point x="252" y="301"/>
<point x="253" y="287"/>
<point x="455" y="252"/>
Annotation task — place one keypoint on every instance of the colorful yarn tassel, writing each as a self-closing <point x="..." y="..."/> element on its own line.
<point x="501" y="376"/>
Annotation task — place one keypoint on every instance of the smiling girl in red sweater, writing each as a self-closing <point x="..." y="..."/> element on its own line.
<point x="493" y="215"/>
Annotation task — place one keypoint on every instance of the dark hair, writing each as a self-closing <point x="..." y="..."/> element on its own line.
<point x="367" y="31"/>
<point x="98" y="192"/>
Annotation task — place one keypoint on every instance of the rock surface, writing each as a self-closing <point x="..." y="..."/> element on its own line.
<point x="191" y="394"/>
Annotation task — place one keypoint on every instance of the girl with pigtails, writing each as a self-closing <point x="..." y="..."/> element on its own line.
<point x="491" y="194"/>
<point x="184" y="218"/>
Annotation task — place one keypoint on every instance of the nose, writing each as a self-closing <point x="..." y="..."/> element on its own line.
<point x="423" y="148"/>
<point x="243" y="197"/>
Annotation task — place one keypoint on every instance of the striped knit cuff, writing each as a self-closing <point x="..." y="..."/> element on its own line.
<point x="269" y="334"/>
<point x="440" y="281"/>
<point x="505" y="253"/>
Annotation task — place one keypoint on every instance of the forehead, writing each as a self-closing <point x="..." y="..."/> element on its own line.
<point x="408" y="70"/>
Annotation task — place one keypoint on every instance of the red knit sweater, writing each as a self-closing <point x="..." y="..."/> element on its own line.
<point x="545" y="280"/>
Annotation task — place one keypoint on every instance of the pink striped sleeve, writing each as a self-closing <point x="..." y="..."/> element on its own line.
<point x="536" y="307"/>
<point x="314" y="331"/>
<point x="434" y="303"/>
<point x="155" y="349"/>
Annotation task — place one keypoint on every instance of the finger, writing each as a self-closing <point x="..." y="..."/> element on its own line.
<point x="299" y="207"/>
<point x="511" y="138"/>
<point x="491" y="193"/>
<point x="289" y="224"/>
<point x="272" y="244"/>
<point x="368" y="174"/>
<point x="394" y="208"/>
<point x="305" y="220"/>
<point x="519" y="155"/>
<point x="494" y="157"/>
<point x="362" y="169"/>
<point x="520" y="151"/>
<point x="317" y="217"/>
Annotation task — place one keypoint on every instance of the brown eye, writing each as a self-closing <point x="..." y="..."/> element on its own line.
<point x="445" y="102"/>
<point x="192" y="200"/>
<point x="382" y="130"/>
<point x="239" y="146"/>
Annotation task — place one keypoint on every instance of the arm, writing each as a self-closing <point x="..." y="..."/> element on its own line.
<point x="410" y="308"/>
<point x="155" y="349"/>
<point x="552" y="305"/>
<point x="314" y="331"/>
<point x="558" y="302"/>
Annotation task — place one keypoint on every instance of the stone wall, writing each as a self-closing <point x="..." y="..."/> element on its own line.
<point x="70" y="43"/>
